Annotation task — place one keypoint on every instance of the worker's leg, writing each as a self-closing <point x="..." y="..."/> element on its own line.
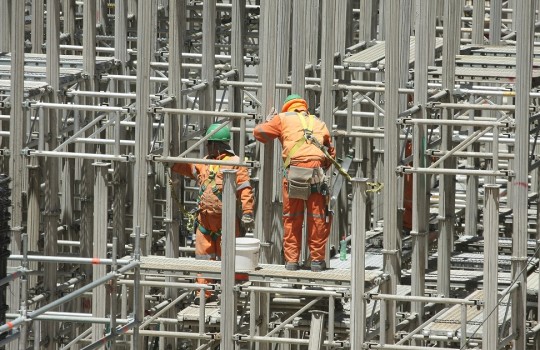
<point x="318" y="228"/>
<point x="293" y="218"/>
<point x="205" y="249"/>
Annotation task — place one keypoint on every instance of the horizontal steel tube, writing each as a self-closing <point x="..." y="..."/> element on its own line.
<point x="474" y="106"/>
<point x="77" y="107"/>
<point x="437" y="153"/>
<point x="198" y="161"/>
<point x="408" y="170"/>
<point x="205" y="113"/>
<point x="459" y="122"/>
<point x="185" y="285"/>
<point x="403" y="347"/>
<point x="439" y="300"/>
<point x="64" y="259"/>
<point x="93" y="156"/>
<point x="304" y="292"/>
<point x="182" y="335"/>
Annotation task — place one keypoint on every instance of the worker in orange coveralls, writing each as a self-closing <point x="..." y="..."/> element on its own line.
<point x="210" y="179"/>
<point x="306" y="150"/>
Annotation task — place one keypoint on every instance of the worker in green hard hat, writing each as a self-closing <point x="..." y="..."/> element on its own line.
<point x="307" y="155"/>
<point x="209" y="206"/>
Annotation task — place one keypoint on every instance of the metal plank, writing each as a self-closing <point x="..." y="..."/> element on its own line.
<point x="368" y="57"/>
<point x="265" y="272"/>
<point x="480" y="74"/>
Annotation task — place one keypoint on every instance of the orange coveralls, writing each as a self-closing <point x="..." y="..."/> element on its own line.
<point x="208" y="233"/>
<point x="288" y="128"/>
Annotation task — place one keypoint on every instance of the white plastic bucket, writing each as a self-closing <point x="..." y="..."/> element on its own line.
<point x="247" y="254"/>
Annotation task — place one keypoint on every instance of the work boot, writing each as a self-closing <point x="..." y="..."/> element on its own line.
<point x="318" y="266"/>
<point x="291" y="266"/>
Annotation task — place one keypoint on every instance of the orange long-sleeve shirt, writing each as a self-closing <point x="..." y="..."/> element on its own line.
<point x="288" y="128"/>
<point x="209" y="203"/>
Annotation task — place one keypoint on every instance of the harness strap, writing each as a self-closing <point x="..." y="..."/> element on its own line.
<point x="213" y="170"/>
<point x="308" y="131"/>
<point x="205" y="231"/>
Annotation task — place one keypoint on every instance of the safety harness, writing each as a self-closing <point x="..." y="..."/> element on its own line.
<point x="213" y="170"/>
<point x="307" y="126"/>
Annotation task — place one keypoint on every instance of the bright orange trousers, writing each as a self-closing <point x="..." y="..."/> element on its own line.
<point x="318" y="229"/>
<point x="208" y="247"/>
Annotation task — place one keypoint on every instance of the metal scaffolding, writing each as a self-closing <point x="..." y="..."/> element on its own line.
<point x="434" y="109"/>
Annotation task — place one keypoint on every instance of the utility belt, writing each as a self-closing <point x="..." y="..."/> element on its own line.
<point x="302" y="182"/>
<point x="207" y="232"/>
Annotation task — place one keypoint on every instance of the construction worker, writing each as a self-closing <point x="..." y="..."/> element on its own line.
<point x="209" y="205"/>
<point x="307" y="150"/>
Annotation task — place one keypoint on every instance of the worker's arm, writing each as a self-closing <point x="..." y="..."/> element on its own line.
<point x="185" y="169"/>
<point x="268" y="130"/>
<point x="244" y="191"/>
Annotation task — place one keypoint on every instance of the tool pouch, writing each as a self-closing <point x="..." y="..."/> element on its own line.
<point x="299" y="180"/>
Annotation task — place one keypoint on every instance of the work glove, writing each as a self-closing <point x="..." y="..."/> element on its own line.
<point x="248" y="222"/>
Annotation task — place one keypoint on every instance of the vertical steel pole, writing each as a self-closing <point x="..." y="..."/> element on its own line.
<point x="298" y="58"/>
<point x="143" y="199"/>
<point x="171" y="146"/>
<point x="238" y="33"/>
<point x="368" y="20"/>
<point x="68" y="12"/>
<point x="52" y="165"/>
<point x="5" y="25"/>
<point x="478" y="21"/>
<point x="313" y="41"/>
<point x="316" y="338"/>
<point x="36" y="27"/>
<point x="452" y="10"/>
<point x="84" y="170"/>
<point x="267" y="75"/>
<point x="99" y="298"/>
<point x="327" y="62"/>
<point x="119" y="173"/>
<point x="13" y="15"/>
<point x="327" y="81"/>
<point x="491" y="257"/>
<point x="524" y="45"/>
<point x="358" y="269"/>
<point x="421" y="188"/>
<point x="495" y="22"/>
<point x="208" y="96"/>
<point x="391" y="233"/>
<point x="228" y="302"/>
<point x="282" y="35"/>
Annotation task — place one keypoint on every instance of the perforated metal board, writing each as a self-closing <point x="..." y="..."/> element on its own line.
<point x="265" y="272"/>
<point x="31" y="88"/>
<point x="66" y="61"/>
<point x="501" y="75"/>
<point x="450" y="321"/>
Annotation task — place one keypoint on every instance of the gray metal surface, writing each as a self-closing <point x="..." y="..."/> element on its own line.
<point x="31" y="88"/>
<point x="482" y="74"/>
<point x="494" y="50"/>
<point x="368" y="57"/>
<point x="449" y="323"/>
<point x="66" y="61"/>
<point x="264" y="272"/>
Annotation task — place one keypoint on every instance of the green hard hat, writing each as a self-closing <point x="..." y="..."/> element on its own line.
<point x="292" y="97"/>
<point x="223" y="134"/>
